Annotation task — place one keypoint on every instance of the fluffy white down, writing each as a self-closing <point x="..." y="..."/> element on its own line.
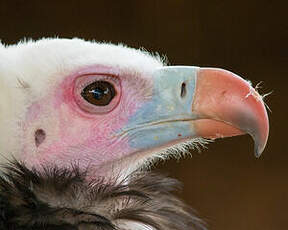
<point x="42" y="64"/>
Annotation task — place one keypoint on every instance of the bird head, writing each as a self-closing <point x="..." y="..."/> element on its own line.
<point x="112" y="108"/>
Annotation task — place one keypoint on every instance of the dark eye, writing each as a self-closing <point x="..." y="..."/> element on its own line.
<point x="99" y="93"/>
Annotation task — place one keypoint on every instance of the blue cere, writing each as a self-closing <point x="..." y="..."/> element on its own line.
<point x="167" y="104"/>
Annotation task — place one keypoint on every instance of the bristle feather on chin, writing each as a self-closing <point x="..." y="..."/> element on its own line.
<point x="58" y="198"/>
<point x="176" y="151"/>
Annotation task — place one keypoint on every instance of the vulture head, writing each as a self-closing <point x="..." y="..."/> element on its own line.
<point x="110" y="110"/>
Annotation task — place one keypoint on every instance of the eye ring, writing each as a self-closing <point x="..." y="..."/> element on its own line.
<point x="97" y="94"/>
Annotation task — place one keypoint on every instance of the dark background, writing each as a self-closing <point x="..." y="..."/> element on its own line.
<point x="228" y="187"/>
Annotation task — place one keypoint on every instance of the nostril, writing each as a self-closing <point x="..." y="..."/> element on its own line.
<point x="40" y="136"/>
<point x="183" y="90"/>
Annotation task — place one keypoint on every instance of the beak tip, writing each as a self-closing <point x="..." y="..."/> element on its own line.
<point x="257" y="152"/>
<point x="261" y="137"/>
<point x="259" y="148"/>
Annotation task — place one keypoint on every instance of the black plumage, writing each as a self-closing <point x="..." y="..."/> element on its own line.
<point x="62" y="199"/>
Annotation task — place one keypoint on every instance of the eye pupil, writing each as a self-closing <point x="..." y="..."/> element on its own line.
<point x="99" y="93"/>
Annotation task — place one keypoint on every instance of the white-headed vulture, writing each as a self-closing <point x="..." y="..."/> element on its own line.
<point x="81" y="123"/>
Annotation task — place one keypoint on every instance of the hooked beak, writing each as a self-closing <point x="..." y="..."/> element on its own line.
<point x="189" y="102"/>
<point x="227" y="105"/>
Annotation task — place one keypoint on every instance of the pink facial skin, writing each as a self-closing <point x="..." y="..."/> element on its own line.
<point x="77" y="136"/>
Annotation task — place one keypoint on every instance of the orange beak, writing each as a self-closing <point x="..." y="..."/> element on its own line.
<point x="226" y="105"/>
